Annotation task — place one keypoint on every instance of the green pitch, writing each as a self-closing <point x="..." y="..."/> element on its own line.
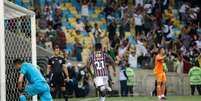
<point x="140" y="98"/>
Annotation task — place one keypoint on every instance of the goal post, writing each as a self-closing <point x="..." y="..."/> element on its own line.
<point x="17" y="40"/>
<point x="2" y="54"/>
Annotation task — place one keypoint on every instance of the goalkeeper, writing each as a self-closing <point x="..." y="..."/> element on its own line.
<point x="37" y="83"/>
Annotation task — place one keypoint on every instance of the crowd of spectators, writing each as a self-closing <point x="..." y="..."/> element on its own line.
<point x="122" y="26"/>
<point x="130" y="30"/>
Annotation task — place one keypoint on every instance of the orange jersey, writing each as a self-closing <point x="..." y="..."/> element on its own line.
<point x="158" y="64"/>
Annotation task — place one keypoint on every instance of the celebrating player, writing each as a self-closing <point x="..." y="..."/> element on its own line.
<point x="99" y="59"/>
<point x="160" y="73"/>
<point x="37" y="83"/>
<point x="56" y="70"/>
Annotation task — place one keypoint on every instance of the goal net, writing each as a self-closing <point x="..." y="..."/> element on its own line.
<point x="20" y="42"/>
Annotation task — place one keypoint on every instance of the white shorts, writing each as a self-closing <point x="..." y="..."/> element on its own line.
<point x="101" y="81"/>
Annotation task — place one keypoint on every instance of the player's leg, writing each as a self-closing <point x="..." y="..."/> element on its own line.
<point x="64" y="91"/>
<point x="29" y="90"/>
<point x="52" y="84"/>
<point x="163" y="89"/>
<point x="102" y="92"/>
<point x="199" y="89"/>
<point x="124" y="89"/>
<point x="158" y="88"/>
<point x="131" y="90"/>
<point x="163" y="86"/>
<point x="192" y="89"/>
<point x="100" y="83"/>
<point x="45" y="92"/>
<point x="154" y="92"/>
<point x="46" y="96"/>
<point x="53" y="90"/>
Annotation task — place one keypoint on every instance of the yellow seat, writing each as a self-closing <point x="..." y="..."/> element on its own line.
<point x="127" y="34"/>
<point x="68" y="5"/>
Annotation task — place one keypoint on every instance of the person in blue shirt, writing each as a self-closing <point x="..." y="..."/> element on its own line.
<point x="37" y="84"/>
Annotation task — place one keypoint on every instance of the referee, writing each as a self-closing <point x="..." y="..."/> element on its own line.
<point x="57" y="74"/>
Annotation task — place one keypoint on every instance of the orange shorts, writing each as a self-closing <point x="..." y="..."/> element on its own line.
<point x="161" y="77"/>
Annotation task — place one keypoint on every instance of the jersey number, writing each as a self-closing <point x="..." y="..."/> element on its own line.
<point x="99" y="64"/>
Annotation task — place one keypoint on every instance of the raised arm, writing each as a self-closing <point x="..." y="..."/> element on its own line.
<point x="111" y="61"/>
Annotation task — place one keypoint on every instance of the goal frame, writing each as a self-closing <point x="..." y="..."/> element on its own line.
<point x="3" y="4"/>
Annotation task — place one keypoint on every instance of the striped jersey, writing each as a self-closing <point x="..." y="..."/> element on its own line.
<point x="99" y="60"/>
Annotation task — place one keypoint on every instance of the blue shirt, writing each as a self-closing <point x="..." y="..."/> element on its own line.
<point x="32" y="74"/>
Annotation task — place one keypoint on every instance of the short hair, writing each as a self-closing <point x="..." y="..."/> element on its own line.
<point x="159" y="49"/>
<point x="98" y="46"/>
<point x="56" y="47"/>
<point x="17" y="61"/>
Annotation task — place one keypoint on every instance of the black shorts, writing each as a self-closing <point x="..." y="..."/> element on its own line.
<point x="57" y="80"/>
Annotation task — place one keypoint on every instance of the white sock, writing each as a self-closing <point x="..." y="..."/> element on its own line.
<point x="163" y="95"/>
<point x="159" y="97"/>
<point x="102" y="98"/>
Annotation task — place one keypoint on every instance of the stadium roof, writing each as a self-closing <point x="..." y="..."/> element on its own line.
<point x="12" y="10"/>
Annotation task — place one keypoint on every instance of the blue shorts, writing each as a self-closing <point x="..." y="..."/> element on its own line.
<point x="41" y="89"/>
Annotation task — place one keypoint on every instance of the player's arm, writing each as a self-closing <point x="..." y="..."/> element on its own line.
<point x="128" y="45"/>
<point x="88" y="67"/>
<point x="48" y="69"/>
<point x="159" y="58"/>
<point x="66" y="72"/>
<point x="20" y="82"/>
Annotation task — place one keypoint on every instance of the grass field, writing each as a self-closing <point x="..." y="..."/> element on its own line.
<point x="140" y="98"/>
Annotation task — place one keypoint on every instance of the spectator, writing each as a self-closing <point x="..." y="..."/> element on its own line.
<point x="138" y="21"/>
<point x="195" y="78"/>
<point x="124" y="27"/>
<point x="60" y="39"/>
<point x="97" y="33"/>
<point x="85" y="9"/>
<point x="123" y="8"/>
<point x="132" y="57"/>
<point x="78" y="50"/>
<point x="198" y="43"/>
<point x="156" y="23"/>
<point x="123" y="78"/>
<point x="83" y="85"/>
<point x="48" y="12"/>
<point x="183" y="10"/>
<point x="148" y="7"/>
<point x="139" y="2"/>
<point x="165" y="5"/>
<point x="187" y="65"/>
<point x="178" y="64"/>
<point x="70" y="87"/>
<point x="130" y="79"/>
<point x="79" y="26"/>
<point x="123" y="49"/>
<point x="112" y="33"/>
